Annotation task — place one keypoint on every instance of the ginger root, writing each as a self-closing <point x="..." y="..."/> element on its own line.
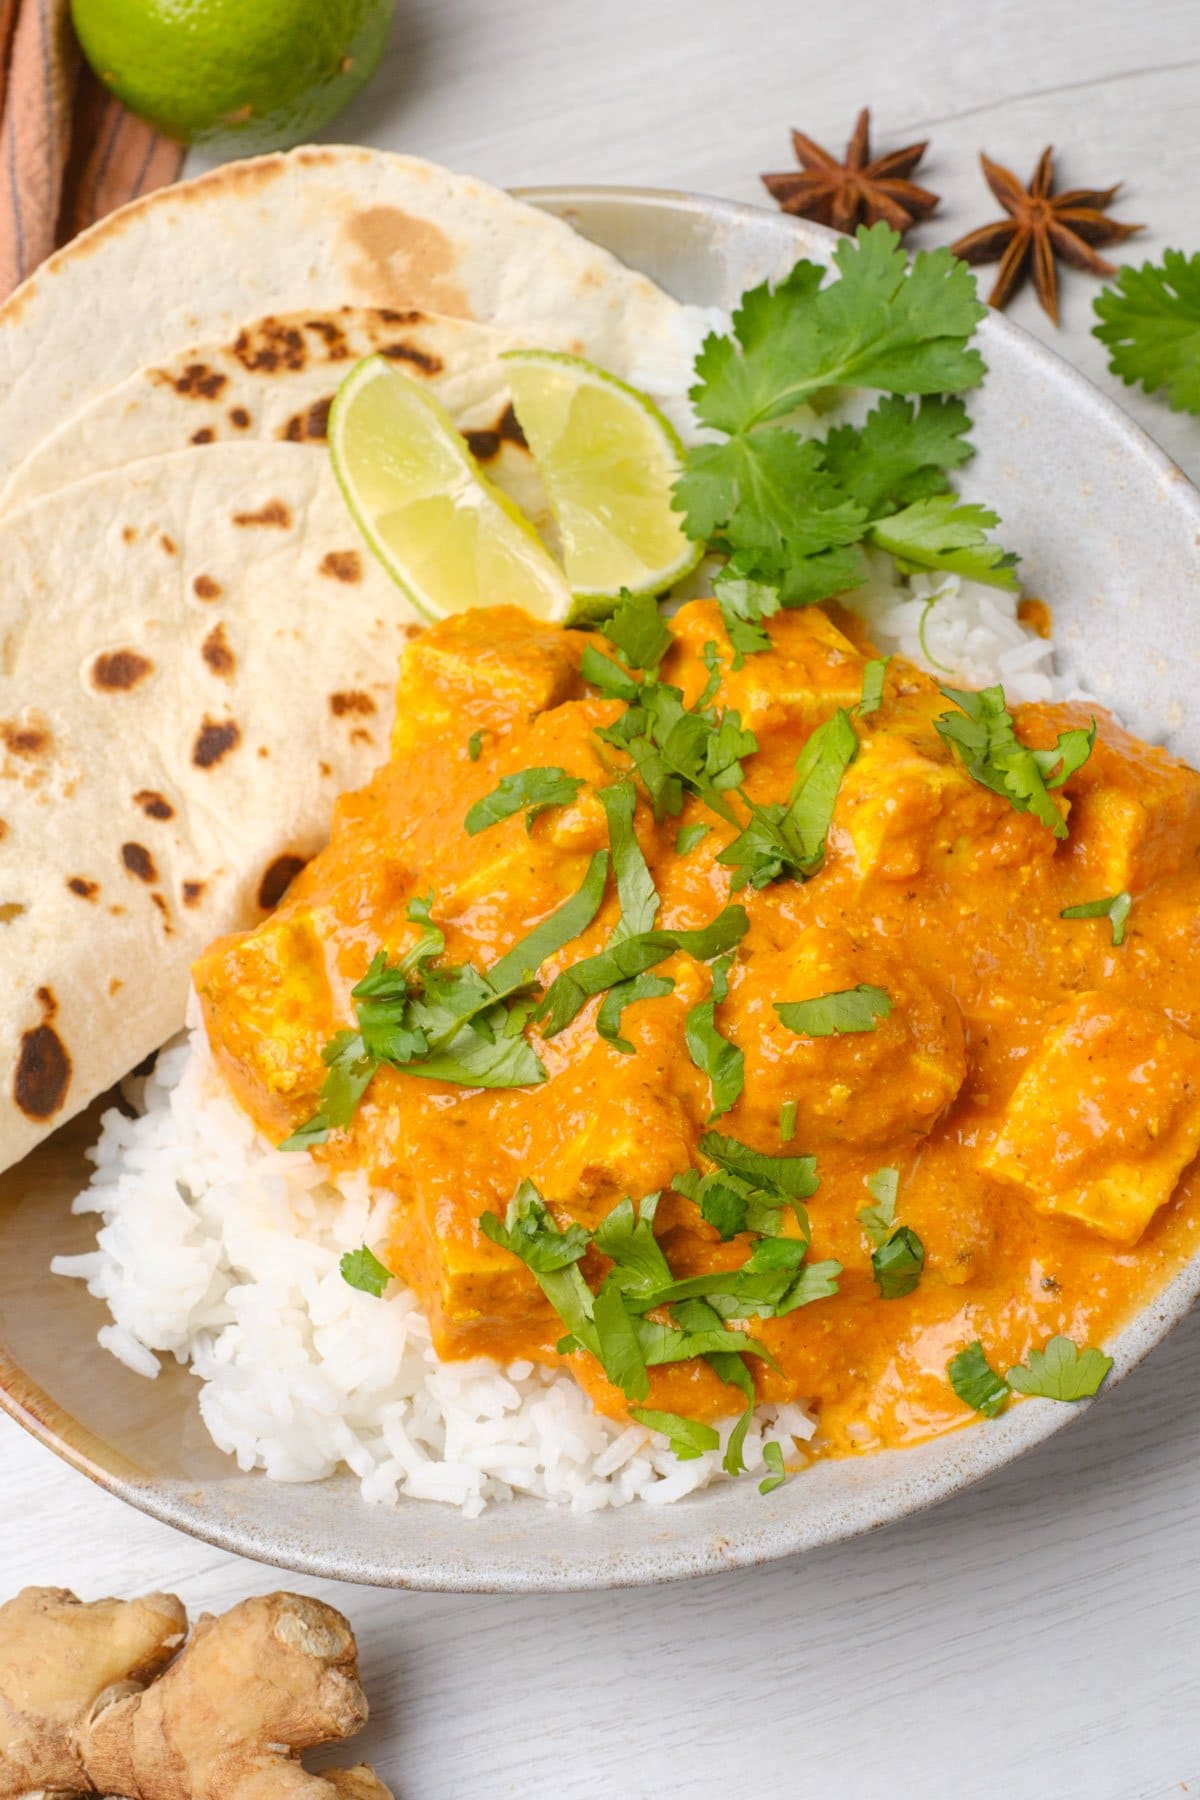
<point x="101" y="1699"/>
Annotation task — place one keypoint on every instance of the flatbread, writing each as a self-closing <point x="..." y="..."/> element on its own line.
<point x="273" y="381"/>
<point x="317" y="228"/>
<point x="196" y="655"/>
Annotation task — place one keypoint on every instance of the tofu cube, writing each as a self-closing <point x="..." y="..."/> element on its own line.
<point x="1104" y="1119"/>
<point x="492" y="667"/>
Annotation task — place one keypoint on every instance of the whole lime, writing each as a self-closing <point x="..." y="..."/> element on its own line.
<point x="236" y="76"/>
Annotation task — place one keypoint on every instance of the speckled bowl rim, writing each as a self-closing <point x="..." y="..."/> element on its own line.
<point x="515" y="1561"/>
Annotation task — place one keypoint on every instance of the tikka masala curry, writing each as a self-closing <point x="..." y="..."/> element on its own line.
<point x="1020" y="1090"/>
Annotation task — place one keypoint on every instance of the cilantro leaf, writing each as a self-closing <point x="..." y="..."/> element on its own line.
<point x="787" y="1121"/>
<point x="625" y="958"/>
<point x="976" y="1382"/>
<point x="745" y="602"/>
<point x="984" y="735"/>
<point x="897" y="1264"/>
<point x="627" y="993"/>
<point x="688" y="836"/>
<point x="603" y="673"/>
<point x="883" y="324"/>
<point x="635" y="884"/>
<point x="791" y="1177"/>
<point x="638" y="630"/>
<point x="944" y="532"/>
<point x="712" y="1053"/>
<point x="552" y="1257"/>
<point x="689" y="1438"/>
<point x="1115" y="909"/>
<point x="475" y="745"/>
<point x="569" y="921"/>
<point x="773" y="1457"/>
<point x="363" y="1270"/>
<point x="872" y="686"/>
<point x="748" y="1191"/>
<point x="1061" y="1371"/>
<point x="530" y="790"/>
<point x="622" y="1353"/>
<point x="1150" y="324"/>
<point x="627" y="1237"/>
<point x="675" y="748"/>
<point x="851" y="1009"/>
<point x="877" y="1220"/>
<point x="769" y="491"/>
<point x="790" y="840"/>
<point x="901" y="453"/>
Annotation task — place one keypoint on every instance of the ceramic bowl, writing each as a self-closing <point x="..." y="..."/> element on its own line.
<point x="1108" y="531"/>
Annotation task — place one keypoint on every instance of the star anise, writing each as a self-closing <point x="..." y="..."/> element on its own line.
<point x="857" y="191"/>
<point x="1041" y="227"/>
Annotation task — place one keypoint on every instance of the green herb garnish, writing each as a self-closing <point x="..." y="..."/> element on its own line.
<point x="1115" y="909"/>
<point x="897" y="1263"/>
<point x="790" y="840"/>
<point x="872" y="686"/>
<point x="1061" y="1371"/>
<point x="688" y="836"/>
<point x="531" y="791"/>
<point x="773" y="1457"/>
<point x="984" y="735"/>
<point x="787" y="1121"/>
<point x="877" y="1221"/>
<point x="851" y="1009"/>
<point x="713" y="1053"/>
<point x="475" y="745"/>
<point x="626" y="993"/>
<point x="638" y="631"/>
<point x="1150" y="325"/>
<point x="975" y="1381"/>
<point x="749" y="1191"/>
<point x="628" y="957"/>
<point x="363" y="1270"/>
<point x="689" y="1438"/>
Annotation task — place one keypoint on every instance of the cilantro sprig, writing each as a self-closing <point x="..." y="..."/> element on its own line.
<point x="1150" y="325"/>
<point x="1115" y="908"/>
<point x="790" y="512"/>
<point x="532" y="791"/>
<point x="983" y="733"/>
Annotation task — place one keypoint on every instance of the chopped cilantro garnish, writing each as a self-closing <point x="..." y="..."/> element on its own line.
<point x="363" y="1270"/>
<point x="628" y="957"/>
<point x="713" y="1053"/>
<point x="1150" y="324"/>
<point x="749" y="1191"/>
<point x="689" y="1438"/>
<point x="976" y="1382"/>
<point x="1061" y="1371"/>
<point x="897" y="1263"/>
<point x="688" y="836"/>
<point x="744" y="604"/>
<point x="1115" y="909"/>
<point x="638" y="631"/>
<point x="635" y="884"/>
<point x="773" y="1457"/>
<point x="445" y="1024"/>
<point x="475" y="745"/>
<point x="877" y="1221"/>
<point x="872" y="686"/>
<point x="984" y="735"/>
<point x="790" y="840"/>
<point x="787" y="1121"/>
<point x="943" y="532"/>
<point x="640" y="987"/>
<point x="530" y="790"/>
<point x="900" y="453"/>
<point x="851" y="1009"/>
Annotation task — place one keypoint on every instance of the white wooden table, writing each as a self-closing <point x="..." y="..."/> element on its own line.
<point x="1037" y="1636"/>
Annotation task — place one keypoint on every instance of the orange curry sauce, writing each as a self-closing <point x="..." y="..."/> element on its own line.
<point x="1037" y="1088"/>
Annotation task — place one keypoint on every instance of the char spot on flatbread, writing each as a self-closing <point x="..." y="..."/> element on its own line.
<point x="310" y="426"/>
<point x="154" y="804"/>
<point x="333" y="338"/>
<point x="509" y="427"/>
<point x="165" y="910"/>
<point x="43" y="1073"/>
<point x="412" y="353"/>
<point x="217" y="654"/>
<point x="215" y="739"/>
<point x="116" y="671"/>
<point x="205" y="435"/>
<point x="341" y="704"/>
<point x="10" y="910"/>
<point x="30" y="742"/>
<point x="361" y="737"/>
<point x="273" y="513"/>
<point x="278" y="878"/>
<point x="47" y="1002"/>
<point x="391" y="317"/>
<point x="239" y="417"/>
<point x="79" y="884"/>
<point x="393" y="251"/>
<point x="129" y="533"/>
<point x="169" y="545"/>
<point x="270" y="346"/>
<point x="485" y="443"/>
<point x="197" y="381"/>
<point x="342" y="565"/>
<point x="205" y="588"/>
<point x="193" y="893"/>
<point x="139" y="862"/>
<point x="3" y="830"/>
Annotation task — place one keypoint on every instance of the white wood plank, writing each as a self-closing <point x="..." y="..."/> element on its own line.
<point x="1037" y="1635"/>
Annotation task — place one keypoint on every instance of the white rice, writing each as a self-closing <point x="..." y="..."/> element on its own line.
<point x="221" y="1251"/>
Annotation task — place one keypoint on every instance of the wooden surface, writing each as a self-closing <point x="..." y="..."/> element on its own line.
<point x="1037" y="1636"/>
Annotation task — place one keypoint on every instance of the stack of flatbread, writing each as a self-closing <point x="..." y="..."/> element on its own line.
<point x="197" y="652"/>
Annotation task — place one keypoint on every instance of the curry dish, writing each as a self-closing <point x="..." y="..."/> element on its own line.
<point x="1034" y="1084"/>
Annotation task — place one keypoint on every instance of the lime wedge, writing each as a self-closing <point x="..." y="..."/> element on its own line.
<point x="609" y="460"/>
<point x="442" y="531"/>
